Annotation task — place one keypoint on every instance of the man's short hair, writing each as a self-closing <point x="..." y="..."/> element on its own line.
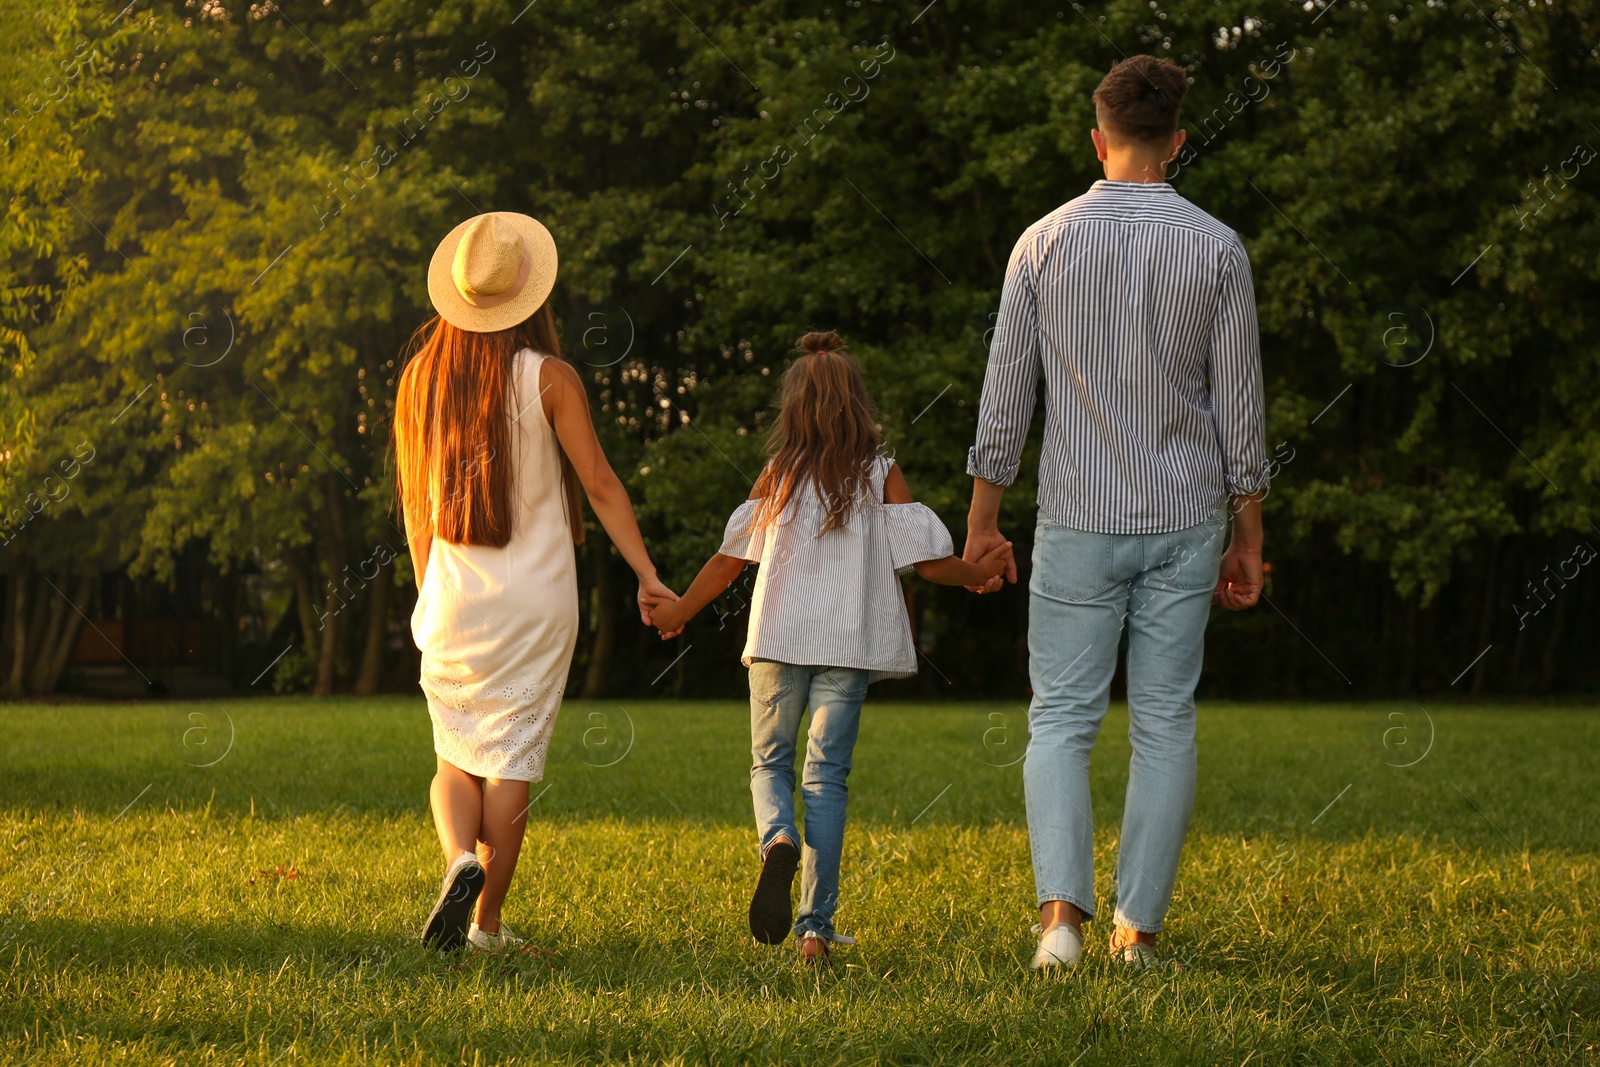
<point x="1138" y="100"/>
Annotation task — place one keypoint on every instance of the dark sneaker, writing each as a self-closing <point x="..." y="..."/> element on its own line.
<point x="770" y="914"/>
<point x="447" y="923"/>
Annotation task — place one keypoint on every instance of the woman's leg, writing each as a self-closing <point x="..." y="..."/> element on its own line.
<point x="835" y="698"/>
<point x="457" y="809"/>
<point x="505" y="816"/>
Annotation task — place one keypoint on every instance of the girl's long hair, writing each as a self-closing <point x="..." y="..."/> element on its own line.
<point x="826" y="434"/>
<point x="452" y="431"/>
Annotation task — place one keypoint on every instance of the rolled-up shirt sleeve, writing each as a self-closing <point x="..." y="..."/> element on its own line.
<point x="1235" y="371"/>
<point x="1012" y="378"/>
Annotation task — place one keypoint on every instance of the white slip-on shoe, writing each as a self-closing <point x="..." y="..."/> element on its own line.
<point x="814" y="948"/>
<point x="446" y="927"/>
<point x="1135" y="955"/>
<point x="1139" y="957"/>
<point x="496" y="942"/>
<point x="1059" y="946"/>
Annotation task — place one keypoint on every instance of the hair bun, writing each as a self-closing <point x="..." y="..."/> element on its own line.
<point x="821" y="341"/>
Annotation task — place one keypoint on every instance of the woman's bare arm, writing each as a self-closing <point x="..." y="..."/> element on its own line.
<point x="567" y="407"/>
<point x="419" y="545"/>
<point x="419" y="540"/>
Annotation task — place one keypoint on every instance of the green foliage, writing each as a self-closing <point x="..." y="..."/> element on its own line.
<point x="53" y="78"/>
<point x="1408" y="178"/>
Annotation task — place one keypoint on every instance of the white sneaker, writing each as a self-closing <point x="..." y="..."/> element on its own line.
<point x="1139" y="957"/>
<point x="1059" y="946"/>
<point x="487" y="942"/>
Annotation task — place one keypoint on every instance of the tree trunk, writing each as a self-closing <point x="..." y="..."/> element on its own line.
<point x="50" y="633"/>
<point x="372" y="655"/>
<point x="332" y="622"/>
<point x="286" y="630"/>
<point x="1547" y="669"/>
<point x="53" y="657"/>
<point x="1485" y="621"/>
<point x="19" y="610"/>
<point x="597" y="681"/>
<point x="38" y="619"/>
<point x="303" y="602"/>
<point x="8" y="631"/>
<point x="328" y="650"/>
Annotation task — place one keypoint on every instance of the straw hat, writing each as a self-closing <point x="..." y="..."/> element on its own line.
<point x="492" y="271"/>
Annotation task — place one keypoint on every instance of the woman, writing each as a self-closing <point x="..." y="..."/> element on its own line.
<point x="492" y="439"/>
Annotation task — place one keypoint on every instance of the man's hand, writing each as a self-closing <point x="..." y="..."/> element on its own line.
<point x="1239" y="580"/>
<point x="983" y="533"/>
<point x="1000" y="559"/>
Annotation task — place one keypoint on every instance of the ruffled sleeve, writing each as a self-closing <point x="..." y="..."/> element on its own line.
<point x="738" y="539"/>
<point x="915" y="534"/>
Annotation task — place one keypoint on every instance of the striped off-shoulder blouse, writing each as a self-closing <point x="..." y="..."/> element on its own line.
<point x="833" y="599"/>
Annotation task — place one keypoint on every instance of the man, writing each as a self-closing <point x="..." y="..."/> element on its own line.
<point x="1137" y="307"/>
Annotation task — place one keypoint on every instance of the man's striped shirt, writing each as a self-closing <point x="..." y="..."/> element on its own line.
<point x="1139" y="309"/>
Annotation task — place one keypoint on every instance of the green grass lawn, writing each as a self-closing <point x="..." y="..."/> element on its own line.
<point x="1333" y="906"/>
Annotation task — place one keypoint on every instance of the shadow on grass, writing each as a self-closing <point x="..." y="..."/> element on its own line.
<point x="1498" y="781"/>
<point x="619" y="995"/>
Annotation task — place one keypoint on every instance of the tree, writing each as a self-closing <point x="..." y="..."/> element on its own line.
<point x="55" y="74"/>
<point x="216" y="244"/>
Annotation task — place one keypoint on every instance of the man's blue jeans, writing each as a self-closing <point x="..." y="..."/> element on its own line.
<point x="1084" y="588"/>
<point x="779" y="696"/>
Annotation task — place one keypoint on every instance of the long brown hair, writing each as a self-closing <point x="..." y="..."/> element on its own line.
<point x="826" y="433"/>
<point x="452" y="433"/>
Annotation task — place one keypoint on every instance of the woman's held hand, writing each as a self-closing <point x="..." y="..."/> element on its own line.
<point x="652" y="594"/>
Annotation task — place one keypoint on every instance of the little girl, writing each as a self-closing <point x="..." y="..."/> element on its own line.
<point x="832" y="522"/>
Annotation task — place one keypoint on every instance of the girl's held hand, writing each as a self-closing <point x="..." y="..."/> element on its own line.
<point x="668" y="618"/>
<point x="982" y="541"/>
<point x="997" y="560"/>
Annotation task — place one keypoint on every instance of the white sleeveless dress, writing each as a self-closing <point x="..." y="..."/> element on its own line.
<point x="497" y="626"/>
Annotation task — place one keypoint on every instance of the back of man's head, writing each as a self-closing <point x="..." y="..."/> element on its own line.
<point x="1137" y="102"/>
